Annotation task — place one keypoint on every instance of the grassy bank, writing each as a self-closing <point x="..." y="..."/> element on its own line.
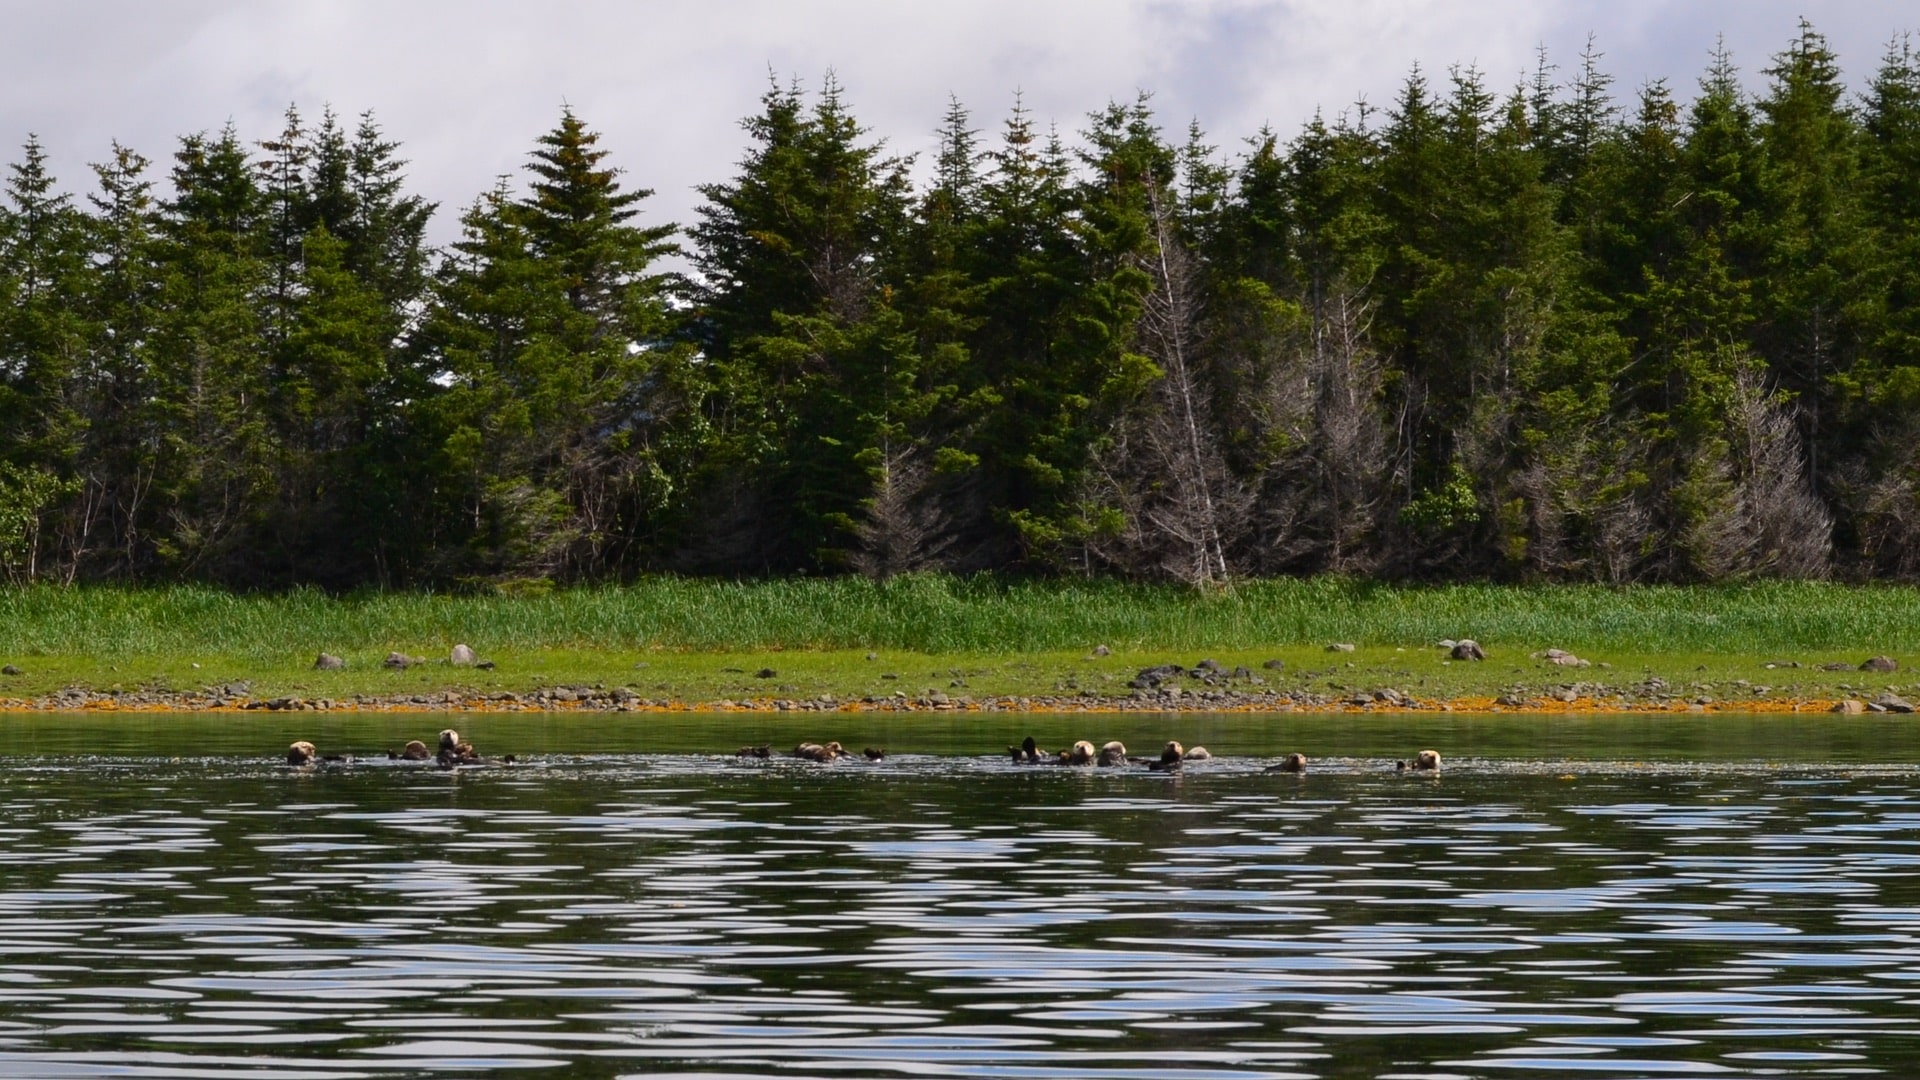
<point x="700" y="640"/>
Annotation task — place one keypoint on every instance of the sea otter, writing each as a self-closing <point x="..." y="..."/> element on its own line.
<point x="1114" y="753"/>
<point x="1293" y="763"/>
<point x="1424" y="761"/>
<point x="415" y="750"/>
<point x="300" y="753"/>
<point x="454" y="752"/>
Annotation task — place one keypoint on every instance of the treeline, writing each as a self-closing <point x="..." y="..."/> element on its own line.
<point x="1530" y="333"/>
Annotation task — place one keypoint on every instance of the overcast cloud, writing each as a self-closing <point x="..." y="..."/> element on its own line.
<point x="466" y="85"/>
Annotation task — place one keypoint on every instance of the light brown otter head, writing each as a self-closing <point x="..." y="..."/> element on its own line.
<point x="1427" y="761"/>
<point x="449" y="739"/>
<point x="1293" y="763"/>
<point x="1197" y="753"/>
<point x="1172" y="753"/>
<point x="415" y="750"/>
<point x="1080" y="754"/>
<point x="1114" y="753"/>
<point x="300" y="753"/>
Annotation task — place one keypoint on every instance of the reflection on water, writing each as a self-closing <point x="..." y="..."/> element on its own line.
<point x="166" y="913"/>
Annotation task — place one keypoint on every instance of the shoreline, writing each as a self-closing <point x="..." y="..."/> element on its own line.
<point x="593" y="699"/>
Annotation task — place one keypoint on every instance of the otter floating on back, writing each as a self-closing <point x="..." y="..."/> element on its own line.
<point x="1424" y="761"/>
<point x="1292" y="763"/>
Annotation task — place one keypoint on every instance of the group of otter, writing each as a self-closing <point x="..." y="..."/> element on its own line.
<point x="1112" y="755"/>
<point x="1173" y="755"/>
<point x="452" y="751"/>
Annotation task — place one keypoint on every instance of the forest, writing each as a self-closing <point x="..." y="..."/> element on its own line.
<point x="1544" y="332"/>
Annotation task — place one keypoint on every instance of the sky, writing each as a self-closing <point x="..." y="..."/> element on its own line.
<point x="466" y="86"/>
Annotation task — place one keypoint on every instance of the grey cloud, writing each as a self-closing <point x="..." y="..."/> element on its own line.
<point x="466" y="86"/>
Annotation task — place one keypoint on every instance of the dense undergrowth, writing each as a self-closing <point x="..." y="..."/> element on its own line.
<point x="940" y="614"/>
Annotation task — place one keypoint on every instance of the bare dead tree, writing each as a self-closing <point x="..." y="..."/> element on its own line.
<point x="1791" y="533"/>
<point x="905" y="528"/>
<point x="1162" y="468"/>
<point x="1327" y="486"/>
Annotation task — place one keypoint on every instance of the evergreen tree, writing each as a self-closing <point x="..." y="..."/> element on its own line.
<point x="209" y="364"/>
<point x="816" y="369"/>
<point x="43" y="267"/>
<point x="558" y="431"/>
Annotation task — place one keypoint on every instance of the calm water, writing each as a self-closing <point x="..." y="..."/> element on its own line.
<point x="1620" y="897"/>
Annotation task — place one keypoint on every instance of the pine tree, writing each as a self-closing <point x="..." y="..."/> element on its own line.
<point x="43" y="269"/>
<point x="816" y="369"/>
<point x="558" y="429"/>
<point x="209" y="363"/>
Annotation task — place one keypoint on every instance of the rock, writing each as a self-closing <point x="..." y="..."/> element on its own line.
<point x="462" y="656"/>
<point x="1564" y="658"/>
<point x="1209" y="664"/>
<point x="328" y="662"/>
<point x="1850" y="706"/>
<point x="11" y="670"/>
<point x="1893" y="703"/>
<point x="1102" y="650"/>
<point x="1880" y="663"/>
<point x="1275" y="665"/>
<point x="484" y="665"/>
<point x="1341" y="646"/>
<point x="1150" y="678"/>
<point x="1837" y="665"/>
<point x="398" y="661"/>
<point x="1467" y="649"/>
<point x="766" y="673"/>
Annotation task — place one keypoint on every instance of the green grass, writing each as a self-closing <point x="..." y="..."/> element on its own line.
<point x="994" y="635"/>
<point x="941" y="614"/>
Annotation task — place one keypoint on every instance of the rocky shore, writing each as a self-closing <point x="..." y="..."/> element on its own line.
<point x="1652" y="695"/>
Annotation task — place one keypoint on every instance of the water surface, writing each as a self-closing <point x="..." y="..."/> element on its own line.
<point x="1618" y="897"/>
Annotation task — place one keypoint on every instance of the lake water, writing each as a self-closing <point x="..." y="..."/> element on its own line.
<point x="1606" y="897"/>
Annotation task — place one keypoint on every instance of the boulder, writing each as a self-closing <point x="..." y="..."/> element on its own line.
<point x="1467" y="649"/>
<point x="11" y="669"/>
<point x="1151" y="678"/>
<point x="1880" y="663"/>
<point x="1850" y="706"/>
<point x="1341" y="646"/>
<point x="1275" y="665"/>
<point x="1564" y="658"/>
<point x="462" y="656"/>
<point x="328" y="662"/>
<point x="398" y="661"/>
<point x="1893" y="703"/>
<point x="1102" y="650"/>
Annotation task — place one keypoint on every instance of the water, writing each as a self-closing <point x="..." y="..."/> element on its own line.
<point x="1609" y="897"/>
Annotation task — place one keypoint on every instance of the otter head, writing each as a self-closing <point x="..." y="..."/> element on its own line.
<point x="1172" y="753"/>
<point x="300" y="753"/>
<point x="1081" y="754"/>
<point x="1114" y="753"/>
<point x="449" y="739"/>
<point x="1427" y="760"/>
